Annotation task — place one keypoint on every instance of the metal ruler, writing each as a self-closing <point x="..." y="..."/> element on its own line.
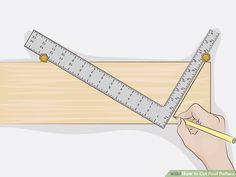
<point x="115" y="88"/>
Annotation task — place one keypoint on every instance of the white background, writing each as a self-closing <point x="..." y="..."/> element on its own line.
<point x="122" y="30"/>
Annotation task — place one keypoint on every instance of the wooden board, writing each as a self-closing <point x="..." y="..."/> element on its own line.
<point x="33" y="92"/>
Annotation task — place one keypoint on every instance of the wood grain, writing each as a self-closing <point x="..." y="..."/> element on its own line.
<point x="33" y="92"/>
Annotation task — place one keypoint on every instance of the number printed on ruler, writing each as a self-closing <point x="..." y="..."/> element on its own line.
<point x="116" y="89"/>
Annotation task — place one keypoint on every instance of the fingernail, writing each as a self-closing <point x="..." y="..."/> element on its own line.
<point x="179" y="120"/>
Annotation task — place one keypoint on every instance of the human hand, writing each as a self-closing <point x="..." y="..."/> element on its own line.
<point x="209" y="149"/>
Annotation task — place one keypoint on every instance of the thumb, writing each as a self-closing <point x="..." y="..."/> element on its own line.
<point x="182" y="130"/>
<point x="185" y="115"/>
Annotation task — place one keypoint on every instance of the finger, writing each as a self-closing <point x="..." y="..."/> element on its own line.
<point x="221" y="123"/>
<point x="185" y="115"/>
<point x="202" y="115"/>
<point x="198" y="113"/>
<point x="183" y="131"/>
<point x="188" y="114"/>
<point x="193" y="130"/>
<point x="221" y="119"/>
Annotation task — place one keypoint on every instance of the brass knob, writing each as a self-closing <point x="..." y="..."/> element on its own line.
<point x="206" y="57"/>
<point x="43" y="57"/>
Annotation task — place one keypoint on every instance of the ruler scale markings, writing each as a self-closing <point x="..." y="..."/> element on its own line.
<point x="116" y="89"/>
<point x="194" y="67"/>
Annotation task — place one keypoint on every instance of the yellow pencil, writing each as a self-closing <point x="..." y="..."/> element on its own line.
<point x="210" y="131"/>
